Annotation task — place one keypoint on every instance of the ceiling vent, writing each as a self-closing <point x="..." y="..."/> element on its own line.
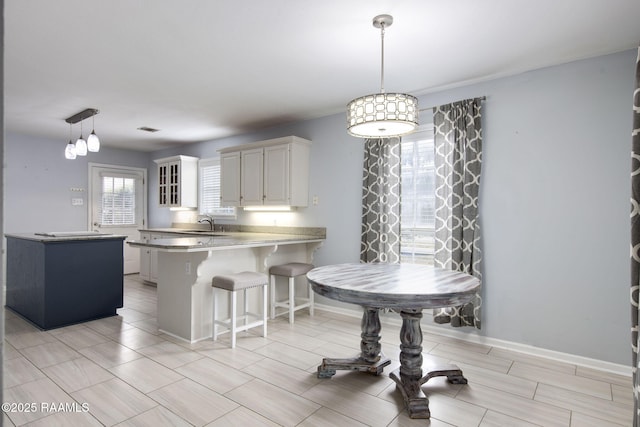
<point x="148" y="129"/>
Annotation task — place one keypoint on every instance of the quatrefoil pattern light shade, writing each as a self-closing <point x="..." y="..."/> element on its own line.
<point x="382" y="115"/>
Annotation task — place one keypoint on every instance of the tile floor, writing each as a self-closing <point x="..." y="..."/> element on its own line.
<point x="121" y="371"/>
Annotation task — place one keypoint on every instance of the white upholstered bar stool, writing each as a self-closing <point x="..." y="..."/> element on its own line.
<point x="233" y="283"/>
<point x="291" y="271"/>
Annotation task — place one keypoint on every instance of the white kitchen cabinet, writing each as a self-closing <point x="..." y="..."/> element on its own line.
<point x="149" y="256"/>
<point x="276" y="175"/>
<point x="153" y="259"/>
<point x="145" y="257"/>
<point x="178" y="182"/>
<point x="272" y="172"/>
<point x="251" y="177"/>
<point x="230" y="178"/>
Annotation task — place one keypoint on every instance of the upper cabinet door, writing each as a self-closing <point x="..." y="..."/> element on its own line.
<point x="230" y="179"/>
<point x="276" y="175"/>
<point x="251" y="182"/>
<point x="163" y="184"/>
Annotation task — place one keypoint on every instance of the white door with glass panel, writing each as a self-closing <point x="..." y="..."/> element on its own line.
<point x="118" y="206"/>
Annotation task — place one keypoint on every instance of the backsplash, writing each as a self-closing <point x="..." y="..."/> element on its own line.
<point x="320" y="232"/>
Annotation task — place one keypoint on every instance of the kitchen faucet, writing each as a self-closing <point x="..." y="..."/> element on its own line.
<point x="207" y="219"/>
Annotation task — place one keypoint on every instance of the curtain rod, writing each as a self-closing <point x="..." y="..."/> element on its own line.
<point x="481" y="98"/>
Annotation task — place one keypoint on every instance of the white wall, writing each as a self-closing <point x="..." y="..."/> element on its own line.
<point x="554" y="210"/>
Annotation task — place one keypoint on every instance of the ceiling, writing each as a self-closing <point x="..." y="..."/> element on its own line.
<point x="204" y="69"/>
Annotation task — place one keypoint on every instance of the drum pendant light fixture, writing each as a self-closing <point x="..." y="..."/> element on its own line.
<point x="383" y="114"/>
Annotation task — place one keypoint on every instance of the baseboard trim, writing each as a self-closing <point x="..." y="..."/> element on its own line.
<point x="162" y="331"/>
<point x="586" y="362"/>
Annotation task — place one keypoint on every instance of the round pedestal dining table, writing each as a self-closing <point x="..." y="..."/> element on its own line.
<point x="403" y="288"/>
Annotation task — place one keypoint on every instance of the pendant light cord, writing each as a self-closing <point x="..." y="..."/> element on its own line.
<point x="382" y="58"/>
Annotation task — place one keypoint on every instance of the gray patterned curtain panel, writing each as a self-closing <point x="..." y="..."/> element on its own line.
<point x="380" y="241"/>
<point x="458" y="160"/>
<point x="635" y="240"/>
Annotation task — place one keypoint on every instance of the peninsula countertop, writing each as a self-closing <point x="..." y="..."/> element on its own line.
<point x="214" y="240"/>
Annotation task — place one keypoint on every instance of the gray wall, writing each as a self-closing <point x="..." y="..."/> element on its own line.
<point x="554" y="210"/>
<point x="38" y="182"/>
<point x="555" y="206"/>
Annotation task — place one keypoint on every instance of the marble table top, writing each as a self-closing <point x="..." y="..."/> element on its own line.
<point x="401" y="286"/>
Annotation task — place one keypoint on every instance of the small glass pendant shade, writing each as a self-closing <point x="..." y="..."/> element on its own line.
<point x="81" y="147"/>
<point x="70" y="151"/>
<point x="93" y="142"/>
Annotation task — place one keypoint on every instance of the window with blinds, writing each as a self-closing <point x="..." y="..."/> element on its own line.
<point x="209" y="190"/>
<point x="418" y="198"/>
<point x="118" y="201"/>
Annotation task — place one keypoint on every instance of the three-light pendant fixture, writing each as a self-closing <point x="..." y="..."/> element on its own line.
<point x="81" y="147"/>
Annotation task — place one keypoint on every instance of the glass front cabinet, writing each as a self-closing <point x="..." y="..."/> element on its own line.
<point x="178" y="182"/>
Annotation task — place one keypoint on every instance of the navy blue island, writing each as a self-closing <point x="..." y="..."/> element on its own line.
<point x="59" y="279"/>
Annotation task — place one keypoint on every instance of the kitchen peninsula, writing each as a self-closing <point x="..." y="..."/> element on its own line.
<point x="187" y="262"/>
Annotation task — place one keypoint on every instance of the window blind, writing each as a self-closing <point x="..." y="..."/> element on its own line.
<point x="418" y="198"/>
<point x="210" y="188"/>
<point x="118" y="205"/>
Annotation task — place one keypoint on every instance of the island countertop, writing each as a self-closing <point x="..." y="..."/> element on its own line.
<point x="64" y="236"/>
<point x="205" y="241"/>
